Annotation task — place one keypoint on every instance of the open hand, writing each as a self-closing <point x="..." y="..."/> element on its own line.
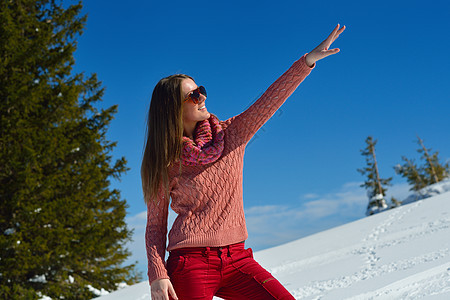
<point x="323" y="50"/>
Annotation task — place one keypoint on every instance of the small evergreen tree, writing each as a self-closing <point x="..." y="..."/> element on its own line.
<point x="395" y="203"/>
<point x="375" y="185"/>
<point x="412" y="173"/>
<point x="62" y="229"/>
<point x="433" y="170"/>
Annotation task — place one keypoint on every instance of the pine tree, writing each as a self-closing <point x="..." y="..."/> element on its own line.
<point x="419" y="177"/>
<point x="395" y="203"/>
<point x="62" y="228"/>
<point x="433" y="170"/>
<point x="375" y="185"/>
<point x="412" y="173"/>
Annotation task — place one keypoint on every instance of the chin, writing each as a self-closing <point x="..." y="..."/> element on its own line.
<point x="207" y="115"/>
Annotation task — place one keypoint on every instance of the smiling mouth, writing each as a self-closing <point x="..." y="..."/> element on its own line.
<point x="204" y="106"/>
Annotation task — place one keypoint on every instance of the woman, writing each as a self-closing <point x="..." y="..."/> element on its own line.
<point x="197" y="161"/>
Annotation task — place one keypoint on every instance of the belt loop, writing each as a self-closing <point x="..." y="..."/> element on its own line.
<point x="207" y="251"/>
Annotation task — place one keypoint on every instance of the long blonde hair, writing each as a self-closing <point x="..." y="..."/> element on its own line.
<point x="164" y="135"/>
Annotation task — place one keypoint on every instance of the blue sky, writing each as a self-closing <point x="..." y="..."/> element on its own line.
<point x="390" y="80"/>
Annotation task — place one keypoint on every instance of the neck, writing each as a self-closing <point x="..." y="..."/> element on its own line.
<point x="189" y="129"/>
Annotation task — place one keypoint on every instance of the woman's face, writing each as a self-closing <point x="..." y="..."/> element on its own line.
<point x="192" y="113"/>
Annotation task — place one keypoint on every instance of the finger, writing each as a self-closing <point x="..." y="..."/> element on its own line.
<point x="158" y="296"/>
<point x="333" y="33"/>
<point x="166" y="295"/>
<point x="331" y="52"/>
<point x="338" y="33"/>
<point x="172" y="292"/>
<point x="327" y="42"/>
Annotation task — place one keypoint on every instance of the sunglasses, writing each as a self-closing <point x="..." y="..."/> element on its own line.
<point x="195" y="94"/>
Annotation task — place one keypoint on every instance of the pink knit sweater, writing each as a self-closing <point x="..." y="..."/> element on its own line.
<point x="208" y="198"/>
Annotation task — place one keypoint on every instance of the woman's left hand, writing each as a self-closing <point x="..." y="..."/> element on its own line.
<point x="322" y="51"/>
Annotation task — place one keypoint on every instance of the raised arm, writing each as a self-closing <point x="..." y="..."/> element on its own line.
<point x="246" y="124"/>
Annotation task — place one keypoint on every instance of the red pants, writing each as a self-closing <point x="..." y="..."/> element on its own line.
<point x="228" y="272"/>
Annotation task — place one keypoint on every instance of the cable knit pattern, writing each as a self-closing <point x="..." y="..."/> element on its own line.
<point x="208" y="145"/>
<point x="208" y="197"/>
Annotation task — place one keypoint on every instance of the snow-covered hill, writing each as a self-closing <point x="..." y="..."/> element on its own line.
<point x="403" y="253"/>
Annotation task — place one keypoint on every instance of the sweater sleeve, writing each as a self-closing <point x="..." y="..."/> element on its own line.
<point x="246" y="124"/>
<point x="155" y="237"/>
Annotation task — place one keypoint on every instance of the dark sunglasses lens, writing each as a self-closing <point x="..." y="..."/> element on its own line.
<point x="202" y="90"/>
<point x="195" y="96"/>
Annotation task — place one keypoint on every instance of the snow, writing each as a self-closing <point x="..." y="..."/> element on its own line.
<point x="96" y="291"/>
<point x="38" y="278"/>
<point x="41" y="297"/>
<point x="402" y="253"/>
<point x="429" y="191"/>
<point x="9" y="231"/>
<point x="377" y="204"/>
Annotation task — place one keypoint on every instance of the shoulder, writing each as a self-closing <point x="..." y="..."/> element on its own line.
<point x="227" y="122"/>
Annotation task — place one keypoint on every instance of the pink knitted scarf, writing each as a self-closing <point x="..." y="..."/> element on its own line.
<point x="208" y="146"/>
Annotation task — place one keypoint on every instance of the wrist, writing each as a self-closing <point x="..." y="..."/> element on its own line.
<point x="309" y="61"/>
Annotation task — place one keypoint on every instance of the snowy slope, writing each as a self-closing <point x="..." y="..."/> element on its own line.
<point x="403" y="253"/>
